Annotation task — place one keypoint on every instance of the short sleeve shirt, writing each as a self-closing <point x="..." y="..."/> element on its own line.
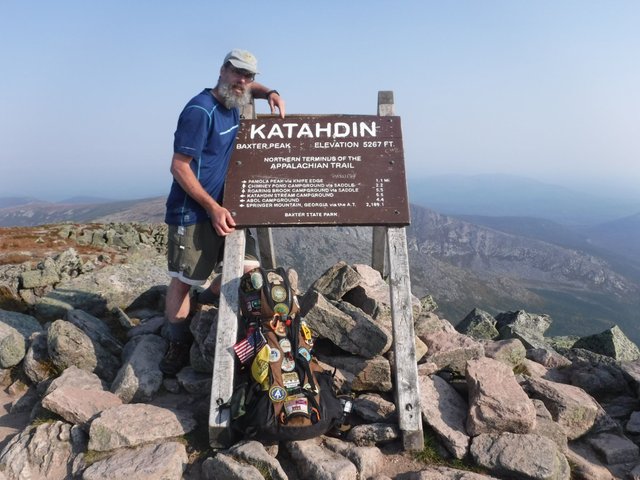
<point x="206" y="132"/>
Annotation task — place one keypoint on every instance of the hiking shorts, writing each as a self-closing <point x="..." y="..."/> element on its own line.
<point x="193" y="252"/>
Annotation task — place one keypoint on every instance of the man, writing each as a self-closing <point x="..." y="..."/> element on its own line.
<point x="203" y="143"/>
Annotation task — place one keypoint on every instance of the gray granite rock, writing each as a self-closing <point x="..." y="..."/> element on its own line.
<point x="314" y="461"/>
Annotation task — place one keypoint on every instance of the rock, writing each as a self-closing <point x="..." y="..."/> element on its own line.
<point x="373" y="297"/>
<point x="445" y="411"/>
<point x="368" y="460"/>
<point x="135" y="424"/>
<point x="373" y="433"/>
<point x="76" y="378"/>
<point x="478" y="324"/>
<point x="314" y="461"/>
<point x="255" y="454"/>
<point x="79" y="405"/>
<point x="346" y="327"/>
<point x="547" y="357"/>
<point x="225" y="467"/>
<point x="39" y="278"/>
<point x="68" y="345"/>
<point x="15" y="330"/>
<point x="37" y="364"/>
<point x="373" y="375"/>
<point x="194" y="382"/>
<point x="497" y="403"/>
<point x="612" y="343"/>
<point x="452" y="351"/>
<point x="150" y="462"/>
<point x="633" y="425"/>
<point x="373" y="408"/>
<point x="151" y="325"/>
<point x="532" y="369"/>
<point x="570" y="406"/>
<point x="96" y="330"/>
<point x="100" y="291"/>
<point x="42" y="452"/>
<point x="140" y="377"/>
<point x="334" y="283"/>
<point x="522" y="456"/>
<point x="528" y="327"/>
<point x="446" y="473"/>
<point x="511" y="352"/>
<point x="614" y="448"/>
<point x="584" y="466"/>
<point x="429" y="322"/>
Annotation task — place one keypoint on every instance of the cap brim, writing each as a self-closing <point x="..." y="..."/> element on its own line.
<point x="243" y="65"/>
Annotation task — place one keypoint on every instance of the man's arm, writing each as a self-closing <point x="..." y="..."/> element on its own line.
<point x="275" y="100"/>
<point x="221" y="218"/>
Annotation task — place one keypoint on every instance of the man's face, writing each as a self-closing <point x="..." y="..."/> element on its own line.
<point x="234" y="86"/>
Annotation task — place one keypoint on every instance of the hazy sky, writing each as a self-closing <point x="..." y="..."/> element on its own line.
<point x="90" y="91"/>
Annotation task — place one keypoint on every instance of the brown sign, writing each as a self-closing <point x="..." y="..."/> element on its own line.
<point x="318" y="170"/>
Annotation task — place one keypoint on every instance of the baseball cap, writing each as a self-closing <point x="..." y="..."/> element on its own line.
<point x="243" y="60"/>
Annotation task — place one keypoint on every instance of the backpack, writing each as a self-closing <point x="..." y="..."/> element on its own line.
<point x="283" y="393"/>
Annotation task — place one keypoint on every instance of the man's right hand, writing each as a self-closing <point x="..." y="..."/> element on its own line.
<point x="222" y="221"/>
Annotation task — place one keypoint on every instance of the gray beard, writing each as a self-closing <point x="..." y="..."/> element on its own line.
<point x="231" y="99"/>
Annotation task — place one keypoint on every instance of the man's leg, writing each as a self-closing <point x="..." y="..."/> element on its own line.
<point x="176" y="312"/>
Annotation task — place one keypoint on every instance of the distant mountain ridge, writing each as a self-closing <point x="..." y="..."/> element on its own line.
<point x="507" y="195"/>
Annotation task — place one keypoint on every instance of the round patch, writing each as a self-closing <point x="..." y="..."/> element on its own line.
<point x="274" y="355"/>
<point x="257" y="280"/>
<point x="305" y="353"/>
<point x="285" y="345"/>
<point x="281" y="329"/>
<point x="278" y="293"/>
<point x="288" y="365"/>
<point x="281" y="309"/>
<point x="277" y="394"/>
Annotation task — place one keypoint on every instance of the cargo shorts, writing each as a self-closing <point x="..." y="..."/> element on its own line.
<point x="193" y="252"/>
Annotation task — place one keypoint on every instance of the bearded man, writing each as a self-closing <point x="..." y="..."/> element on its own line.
<point x="203" y="143"/>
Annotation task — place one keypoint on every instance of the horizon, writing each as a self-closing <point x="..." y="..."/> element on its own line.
<point x="541" y="90"/>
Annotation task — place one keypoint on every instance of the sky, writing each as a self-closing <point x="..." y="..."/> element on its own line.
<point x="90" y="91"/>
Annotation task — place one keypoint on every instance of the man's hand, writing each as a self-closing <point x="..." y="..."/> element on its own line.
<point x="222" y="221"/>
<point x="276" y="101"/>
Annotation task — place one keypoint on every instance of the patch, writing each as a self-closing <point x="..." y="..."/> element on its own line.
<point x="285" y="345"/>
<point x="279" y="294"/>
<point x="290" y="380"/>
<point x="274" y="355"/>
<point x="296" y="406"/>
<point x="281" y="309"/>
<point x="277" y="394"/>
<point x="306" y="331"/>
<point x="305" y="353"/>
<point x="288" y="364"/>
<point x="256" y="280"/>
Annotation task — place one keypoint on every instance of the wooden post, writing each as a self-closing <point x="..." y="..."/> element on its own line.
<point x="226" y="336"/>
<point x="404" y="347"/>
<point x="265" y="244"/>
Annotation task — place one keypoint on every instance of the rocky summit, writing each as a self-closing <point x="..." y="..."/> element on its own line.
<point x="81" y="338"/>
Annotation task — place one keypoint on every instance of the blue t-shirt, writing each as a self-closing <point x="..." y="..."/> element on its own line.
<point x="206" y="132"/>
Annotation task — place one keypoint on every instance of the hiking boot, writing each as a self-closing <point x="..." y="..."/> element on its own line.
<point x="176" y="358"/>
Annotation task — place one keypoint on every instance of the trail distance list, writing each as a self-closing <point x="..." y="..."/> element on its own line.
<point x="318" y="170"/>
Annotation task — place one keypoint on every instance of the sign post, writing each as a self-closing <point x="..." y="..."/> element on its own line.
<point x="321" y="170"/>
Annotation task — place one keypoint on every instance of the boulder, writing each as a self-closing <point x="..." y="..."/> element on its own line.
<point x="612" y="343"/>
<point x="336" y="281"/>
<point x="451" y="350"/>
<point x="136" y="424"/>
<point x="574" y="409"/>
<point x="314" y="461"/>
<point x="362" y="374"/>
<point x="15" y="330"/>
<point x="68" y="345"/>
<point x="445" y="411"/>
<point x="497" y="403"/>
<point x="478" y="324"/>
<point x="345" y="326"/>
<point x="511" y="352"/>
<point x="522" y="456"/>
<point x="528" y="327"/>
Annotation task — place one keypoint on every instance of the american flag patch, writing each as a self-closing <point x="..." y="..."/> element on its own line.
<point x="246" y="349"/>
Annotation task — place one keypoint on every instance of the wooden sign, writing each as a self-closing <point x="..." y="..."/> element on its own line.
<point x="318" y="170"/>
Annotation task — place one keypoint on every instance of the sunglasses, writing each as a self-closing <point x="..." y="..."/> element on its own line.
<point x="242" y="73"/>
